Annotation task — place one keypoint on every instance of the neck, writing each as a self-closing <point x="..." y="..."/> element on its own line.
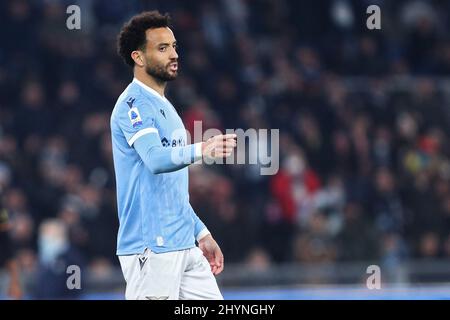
<point x="155" y="84"/>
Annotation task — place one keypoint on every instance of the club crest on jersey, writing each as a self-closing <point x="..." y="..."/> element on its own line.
<point x="135" y="117"/>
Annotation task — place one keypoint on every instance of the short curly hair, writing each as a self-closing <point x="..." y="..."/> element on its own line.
<point x="132" y="35"/>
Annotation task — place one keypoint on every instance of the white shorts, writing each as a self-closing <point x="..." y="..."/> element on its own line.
<point x="184" y="275"/>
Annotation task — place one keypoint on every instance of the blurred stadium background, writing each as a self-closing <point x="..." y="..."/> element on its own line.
<point x="364" y="121"/>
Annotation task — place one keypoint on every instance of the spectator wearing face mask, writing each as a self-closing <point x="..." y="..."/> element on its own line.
<point x="55" y="256"/>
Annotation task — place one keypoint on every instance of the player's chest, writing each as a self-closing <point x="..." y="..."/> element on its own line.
<point x="171" y="128"/>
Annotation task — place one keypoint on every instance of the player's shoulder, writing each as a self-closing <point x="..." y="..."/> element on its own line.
<point x="129" y="98"/>
<point x="134" y="97"/>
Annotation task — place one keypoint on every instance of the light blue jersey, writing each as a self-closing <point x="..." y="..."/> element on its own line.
<point x="150" y="162"/>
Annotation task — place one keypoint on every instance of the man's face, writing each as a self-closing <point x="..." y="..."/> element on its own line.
<point x="161" y="58"/>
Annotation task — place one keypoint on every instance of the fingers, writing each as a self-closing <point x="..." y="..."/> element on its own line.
<point x="226" y="136"/>
<point x="213" y="255"/>
<point x="218" y="260"/>
<point x="219" y="269"/>
<point x="224" y="146"/>
<point x="221" y="154"/>
<point x="221" y="150"/>
<point x="223" y="137"/>
<point x="209" y="256"/>
<point x="228" y="143"/>
<point x="220" y="146"/>
<point x="214" y="269"/>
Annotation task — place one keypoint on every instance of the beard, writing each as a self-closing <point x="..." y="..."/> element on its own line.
<point x="160" y="72"/>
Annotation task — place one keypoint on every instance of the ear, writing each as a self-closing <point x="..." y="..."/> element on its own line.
<point x="138" y="57"/>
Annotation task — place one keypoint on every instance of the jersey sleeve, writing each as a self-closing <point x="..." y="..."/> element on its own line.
<point x="159" y="159"/>
<point x="136" y="118"/>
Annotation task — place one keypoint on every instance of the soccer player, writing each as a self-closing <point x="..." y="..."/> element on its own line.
<point x="158" y="227"/>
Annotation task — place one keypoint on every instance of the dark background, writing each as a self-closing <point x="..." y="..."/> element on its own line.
<point x="363" y="117"/>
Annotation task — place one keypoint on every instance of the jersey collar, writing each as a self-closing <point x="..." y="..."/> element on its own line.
<point x="148" y="89"/>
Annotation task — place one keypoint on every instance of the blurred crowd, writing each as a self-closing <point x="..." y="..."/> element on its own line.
<point x="363" y="116"/>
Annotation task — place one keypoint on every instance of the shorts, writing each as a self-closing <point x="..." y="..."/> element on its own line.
<point x="177" y="275"/>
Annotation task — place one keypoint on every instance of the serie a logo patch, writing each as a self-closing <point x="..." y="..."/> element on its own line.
<point x="135" y="117"/>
